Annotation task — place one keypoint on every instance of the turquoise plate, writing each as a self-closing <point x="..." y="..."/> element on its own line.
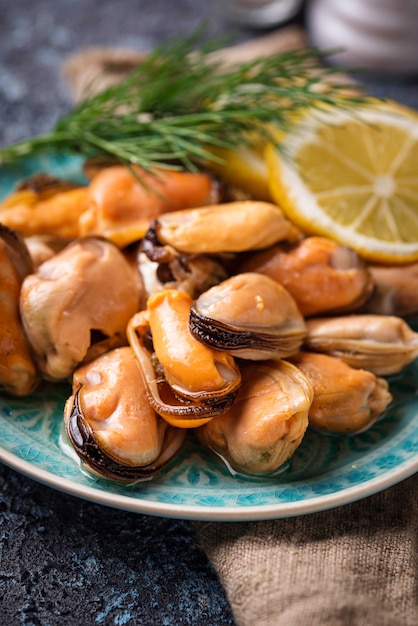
<point x="324" y="473"/>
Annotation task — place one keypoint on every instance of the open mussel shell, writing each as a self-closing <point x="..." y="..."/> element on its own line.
<point x="267" y="422"/>
<point x="110" y="424"/>
<point x="181" y="410"/>
<point x="17" y="251"/>
<point x="383" y="344"/>
<point x="192" y="369"/>
<point x="18" y="372"/>
<point x="249" y="315"/>
<point x="190" y="273"/>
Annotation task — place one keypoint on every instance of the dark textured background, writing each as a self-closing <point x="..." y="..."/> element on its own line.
<point x="64" y="560"/>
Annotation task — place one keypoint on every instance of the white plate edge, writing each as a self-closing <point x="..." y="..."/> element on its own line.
<point x="213" y="513"/>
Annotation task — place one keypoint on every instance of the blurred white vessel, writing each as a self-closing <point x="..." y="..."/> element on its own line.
<point x="380" y="35"/>
<point x="260" y="13"/>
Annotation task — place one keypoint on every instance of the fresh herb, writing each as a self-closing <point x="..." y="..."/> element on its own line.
<point x="178" y="105"/>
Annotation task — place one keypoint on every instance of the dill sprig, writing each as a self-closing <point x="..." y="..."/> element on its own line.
<point x="179" y="104"/>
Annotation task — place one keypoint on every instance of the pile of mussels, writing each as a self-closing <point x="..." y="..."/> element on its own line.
<point x="176" y="307"/>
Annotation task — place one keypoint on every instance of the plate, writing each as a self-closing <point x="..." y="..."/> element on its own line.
<point x="324" y="473"/>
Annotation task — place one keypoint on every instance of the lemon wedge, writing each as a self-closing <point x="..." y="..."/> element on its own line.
<point x="246" y="169"/>
<point x="352" y="176"/>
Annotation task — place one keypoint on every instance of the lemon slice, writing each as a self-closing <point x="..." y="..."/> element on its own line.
<point x="353" y="176"/>
<point x="246" y="169"/>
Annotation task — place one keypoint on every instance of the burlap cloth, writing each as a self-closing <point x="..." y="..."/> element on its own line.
<point x="356" y="565"/>
<point x="352" y="566"/>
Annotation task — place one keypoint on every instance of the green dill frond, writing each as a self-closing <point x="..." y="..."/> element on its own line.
<point x="178" y="104"/>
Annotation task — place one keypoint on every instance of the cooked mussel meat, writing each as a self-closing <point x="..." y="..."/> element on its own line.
<point x="383" y="344"/>
<point x="192" y="369"/>
<point x="226" y="228"/>
<point x="395" y="290"/>
<point x="324" y="277"/>
<point x="44" y="247"/>
<point x="77" y="305"/>
<point x="346" y="400"/>
<point x="122" y="202"/>
<point x="267" y="421"/>
<point x="249" y="315"/>
<point x="44" y="205"/>
<point x="188" y="383"/>
<point x="18" y="372"/>
<point x="112" y="427"/>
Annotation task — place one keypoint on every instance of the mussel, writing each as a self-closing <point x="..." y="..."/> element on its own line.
<point x="323" y="277"/>
<point x="346" y="401"/>
<point x="267" y="422"/>
<point x="44" y="205"/>
<point x="188" y="382"/>
<point x="190" y="273"/>
<point x="77" y="305"/>
<point x="395" y="290"/>
<point x="110" y="423"/>
<point x="44" y="247"/>
<point x="122" y="202"/>
<point x="191" y="369"/>
<point x="383" y="344"/>
<point x="225" y="228"/>
<point x="249" y="315"/>
<point x="18" y="372"/>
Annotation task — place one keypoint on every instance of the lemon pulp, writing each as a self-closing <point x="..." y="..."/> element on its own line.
<point x="353" y="176"/>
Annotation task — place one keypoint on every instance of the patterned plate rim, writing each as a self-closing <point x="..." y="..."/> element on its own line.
<point x="206" y="513"/>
